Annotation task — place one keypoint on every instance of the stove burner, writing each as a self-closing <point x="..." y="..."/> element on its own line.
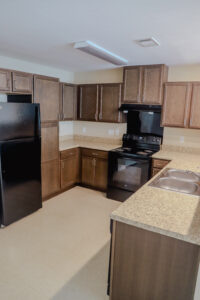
<point x="142" y="153"/>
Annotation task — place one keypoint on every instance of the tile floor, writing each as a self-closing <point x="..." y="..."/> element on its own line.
<point x="60" y="252"/>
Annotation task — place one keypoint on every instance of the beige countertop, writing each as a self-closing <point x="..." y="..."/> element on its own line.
<point x="73" y="143"/>
<point x="166" y="212"/>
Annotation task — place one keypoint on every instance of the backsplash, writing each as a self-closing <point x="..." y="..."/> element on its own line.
<point x="92" y="129"/>
<point x="181" y="137"/>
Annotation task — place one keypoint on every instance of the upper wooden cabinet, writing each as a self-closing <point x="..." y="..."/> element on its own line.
<point x="5" y="81"/>
<point x="144" y="84"/>
<point x="88" y="102"/>
<point x="47" y="93"/>
<point x="22" y="82"/>
<point x="68" y="101"/>
<point x="195" y="107"/>
<point x="132" y="79"/>
<point x="100" y="102"/>
<point x="176" y="106"/>
<point x="110" y="101"/>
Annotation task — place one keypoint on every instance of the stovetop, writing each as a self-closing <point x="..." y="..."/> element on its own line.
<point x="136" y="151"/>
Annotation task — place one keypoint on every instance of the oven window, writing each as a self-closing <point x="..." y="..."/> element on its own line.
<point x="130" y="174"/>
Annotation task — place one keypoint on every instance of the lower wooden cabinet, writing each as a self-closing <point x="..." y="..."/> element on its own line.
<point x="69" y="169"/>
<point x="148" y="265"/>
<point x="157" y="165"/>
<point x="94" y="165"/>
<point x="50" y="178"/>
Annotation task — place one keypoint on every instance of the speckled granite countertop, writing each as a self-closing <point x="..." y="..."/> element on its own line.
<point x="92" y="144"/>
<point x="166" y="212"/>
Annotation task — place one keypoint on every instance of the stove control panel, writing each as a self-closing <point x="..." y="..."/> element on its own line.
<point x="147" y="139"/>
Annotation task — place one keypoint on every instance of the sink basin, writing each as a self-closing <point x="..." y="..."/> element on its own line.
<point x="179" y="181"/>
<point x="183" y="175"/>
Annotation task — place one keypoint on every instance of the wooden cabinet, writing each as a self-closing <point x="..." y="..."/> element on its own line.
<point x="50" y="178"/>
<point x="148" y="265"/>
<point x="100" y="102"/>
<point x="94" y="165"/>
<point x="88" y="102"/>
<point x="157" y="165"/>
<point x="176" y="106"/>
<point x="68" y="102"/>
<point x="47" y="93"/>
<point x="50" y="159"/>
<point x="69" y="167"/>
<point x="153" y="78"/>
<point x="50" y="141"/>
<point x="194" y="121"/>
<point x="132" y="79"/>
<point x="22" y="82"/>
<point x="5" y="80"/>
<point x="110" y="101"/>
<point x="144" y="84"/>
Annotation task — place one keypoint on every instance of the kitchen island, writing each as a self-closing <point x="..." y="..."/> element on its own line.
<point x="156" y="240"/>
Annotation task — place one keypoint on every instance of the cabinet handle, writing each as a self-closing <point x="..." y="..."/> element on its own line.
<point x="8" y="83"/>
<point x="63" y="164"/>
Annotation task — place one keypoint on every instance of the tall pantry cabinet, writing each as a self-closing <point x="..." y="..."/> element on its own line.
<point x="47" y="94"/>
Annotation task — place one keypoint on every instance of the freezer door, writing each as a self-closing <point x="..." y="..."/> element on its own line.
<point x="20" y="178"/>
<point x="18" y="120"/>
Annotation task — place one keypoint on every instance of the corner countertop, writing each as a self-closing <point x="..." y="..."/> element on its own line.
<point x="165" y="212"/>
<point x="88" y="143"/>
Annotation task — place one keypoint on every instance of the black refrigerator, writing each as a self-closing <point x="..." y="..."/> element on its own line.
<point x="20" y="161"/>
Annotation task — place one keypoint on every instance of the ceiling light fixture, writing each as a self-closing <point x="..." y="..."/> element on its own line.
<point x="95" y="50"/>
<point x="150" y="42"/>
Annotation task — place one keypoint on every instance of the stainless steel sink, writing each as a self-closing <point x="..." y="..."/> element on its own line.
<point x="179" y="181"/>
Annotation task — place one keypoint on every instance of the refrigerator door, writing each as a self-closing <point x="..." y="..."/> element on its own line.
<point x="18" y="120"/>
<point x="20" y="178"/>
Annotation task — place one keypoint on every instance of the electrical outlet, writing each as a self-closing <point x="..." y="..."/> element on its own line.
<point x="181" y="139"/>
<point x="84" y="130"/>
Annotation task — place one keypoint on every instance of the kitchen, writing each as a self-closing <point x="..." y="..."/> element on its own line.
<point x="92" y="110"/>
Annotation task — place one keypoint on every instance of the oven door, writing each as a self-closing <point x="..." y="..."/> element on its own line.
<point x="126" y="172"/>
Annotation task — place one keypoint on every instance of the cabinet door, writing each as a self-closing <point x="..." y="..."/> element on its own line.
<point x="195" y="107"/>
<point x="101" y="173"/>
<point x="153" y="78"/>
<point x="5" y="80"/>
<point x="69" y="170"/>
<point x="50" y="143"/>
<point x="69" y="99"/>
<point x="47" y="92"/>
<point x="50" y="178"/>
<point x="110" y="101"/>
<point x="88" y="102"/>
<point x="22" y="82"/>
<point x="176" y="106"/>
<point x="132" y="84"/>
<point x="88" y="171"/>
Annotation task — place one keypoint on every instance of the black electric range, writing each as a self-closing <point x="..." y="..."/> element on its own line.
<point x="129" y="167"/>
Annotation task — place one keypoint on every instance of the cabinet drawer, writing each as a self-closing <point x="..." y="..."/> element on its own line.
<point x="69" y="152"/>
<point x="94" y="153"/>
<point x="160" y="163"/>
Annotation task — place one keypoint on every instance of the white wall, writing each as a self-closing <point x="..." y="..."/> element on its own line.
<point x="30" y="67"/>
<point x="100" y="76"/>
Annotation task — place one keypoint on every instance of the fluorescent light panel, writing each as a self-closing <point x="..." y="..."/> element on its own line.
<point x="95" y="50"/>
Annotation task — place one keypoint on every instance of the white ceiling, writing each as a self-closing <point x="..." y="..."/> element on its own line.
<point x="44" y="31"/>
